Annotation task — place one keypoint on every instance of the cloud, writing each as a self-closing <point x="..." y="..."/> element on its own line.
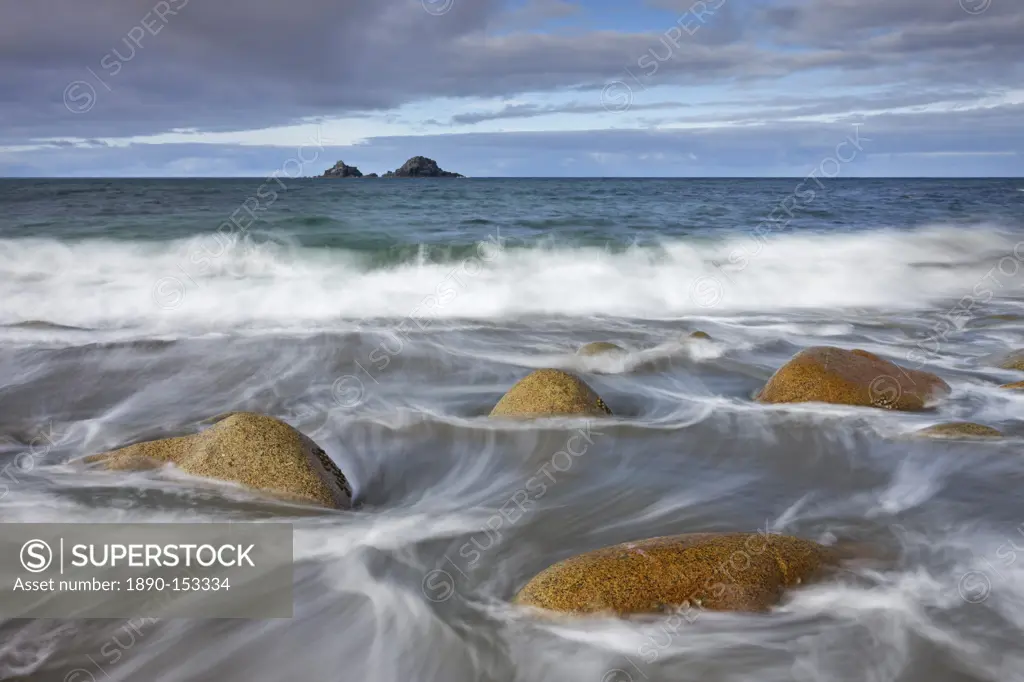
<point x="758" y="110"/>
<point x="135" y="68"/>
<point x="949" y="143"/>
<point x="532" y="110"/>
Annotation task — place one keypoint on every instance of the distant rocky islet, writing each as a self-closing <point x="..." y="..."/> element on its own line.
<point x="416" y="167"/>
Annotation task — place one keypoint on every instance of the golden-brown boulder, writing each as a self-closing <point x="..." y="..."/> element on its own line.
<point x="1014" y="360"/>
<point x="599" y="348"/>
<point x="851" y="377"/>
<point x="1016" y="386"/>
<point x="717" y="571"/>
<point x="549" y="393"/>
<point x="700" y="335"/>
<point x="960" y="430"/>
<point x="250" y="449"/>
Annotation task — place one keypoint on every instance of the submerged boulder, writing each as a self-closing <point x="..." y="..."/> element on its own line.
<point x="1014" y="360"/>
<point x="851" y="377"/>
<point x="599" y="348"/>
<point x="960" y="430"/>
<point x="717" y="571"/>
<point x="550" y="393"/>
<point x="253" y="450"/>
<point x="1016" y="386"/>
<point x="700" y="335"/>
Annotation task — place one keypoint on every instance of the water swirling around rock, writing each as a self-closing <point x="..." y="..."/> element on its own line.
<point x="389" y="320"/>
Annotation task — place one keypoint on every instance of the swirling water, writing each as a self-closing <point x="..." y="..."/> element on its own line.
<point x="385" y="318"/>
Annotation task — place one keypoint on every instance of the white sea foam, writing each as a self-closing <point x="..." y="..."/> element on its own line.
<point x="166" y="287"/>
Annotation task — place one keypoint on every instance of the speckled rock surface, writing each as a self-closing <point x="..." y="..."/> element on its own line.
<point x="548" y="393"/>
<point x="1017" y="385"/>
<point x="251" y="449"/>
<point x="851" y="377"/>
<point x="1014" y="361"/>
<point x="599" y="347"/>
<point x="721" y="572"/>
<point x="960" y="430"/>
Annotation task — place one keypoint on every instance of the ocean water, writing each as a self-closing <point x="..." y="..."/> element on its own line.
<point x="385" y="318"/>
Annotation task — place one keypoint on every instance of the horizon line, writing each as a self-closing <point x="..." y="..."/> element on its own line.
<point x="514" y="177"/>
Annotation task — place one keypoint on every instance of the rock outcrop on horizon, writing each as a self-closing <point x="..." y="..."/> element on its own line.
<point x="416" y="167"/>
<point x="340" y="170"/>
<point x="421" y="167"/>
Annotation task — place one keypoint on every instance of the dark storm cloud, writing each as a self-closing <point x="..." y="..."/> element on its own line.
<point x="240" y="64"/>
<point x="538" y="13"/>
<point x="229" y="64"/>
<point x="837" y="22"/>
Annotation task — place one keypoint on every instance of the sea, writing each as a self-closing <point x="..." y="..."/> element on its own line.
<point x="385" y="318"/>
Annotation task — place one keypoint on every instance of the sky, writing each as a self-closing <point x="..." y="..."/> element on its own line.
<point x="572" y="88"/>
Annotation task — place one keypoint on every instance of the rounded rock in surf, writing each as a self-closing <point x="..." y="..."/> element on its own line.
<point x="716" y="571"/>
<point x="599" y="348"/>
<point x="254" y="450"/>
<point x="550" y="393"/>
<point x="825" y="374"/>
<point x="959" y="430"/>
